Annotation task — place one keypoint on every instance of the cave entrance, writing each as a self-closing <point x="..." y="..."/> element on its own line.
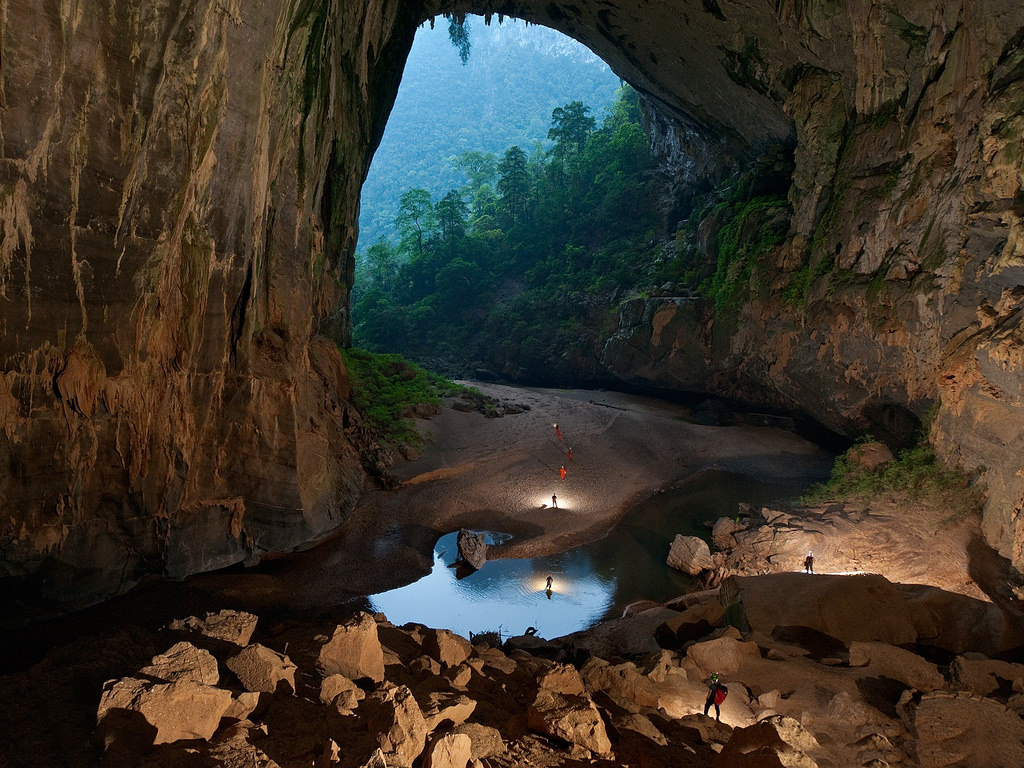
<point x="510" y="200"/>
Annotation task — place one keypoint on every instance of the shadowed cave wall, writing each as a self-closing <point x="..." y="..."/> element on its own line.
<point x="178" y="196"/>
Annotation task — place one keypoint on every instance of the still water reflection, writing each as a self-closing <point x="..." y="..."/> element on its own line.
<point x="590" y="583"/>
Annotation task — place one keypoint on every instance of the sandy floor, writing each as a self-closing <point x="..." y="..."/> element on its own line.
<point x="500" y="473"/>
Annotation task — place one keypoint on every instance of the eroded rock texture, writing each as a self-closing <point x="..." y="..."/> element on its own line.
<point x="178" y="192"/>
<point x="177" y="197"/>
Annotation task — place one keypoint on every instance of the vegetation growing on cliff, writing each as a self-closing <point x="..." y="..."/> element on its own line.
<point x="387" y="390"/>
<point x="915" y="477"/>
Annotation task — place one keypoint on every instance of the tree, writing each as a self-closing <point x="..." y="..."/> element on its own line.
<point x="415" y="221"/>
<point x="451" y="214"/>
<point x="570" y="127"/>
<point x="513" y="182"/>
<point x="479" y="168"/>
<point x="382" y="263"/>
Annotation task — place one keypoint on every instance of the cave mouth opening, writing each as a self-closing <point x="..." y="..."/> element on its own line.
<point x="510" y="207"/>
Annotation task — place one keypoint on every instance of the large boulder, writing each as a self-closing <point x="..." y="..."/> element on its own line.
<point x="164" y="712"/>
<point x="354" y="650"/>
<point x="865" y="607"/>
<point x="446" y="647"/>
<point x="234" y="627"/>
<point x="960" y="729"/>
<point x="341" y="692"/>
<point x="452" y="750"/>
<point x="897" y="664"/>
<point x="263" y="670"/>
<point x="689" y="554"/>
<point x="183" y="661"/>
<point x="486" y="741"/>
<point x="441" y="706"/>
<point x="395" y="723"/>
<point x="571" y="718"/>
<point x="775" y="742"/>
<point x="472" y="548"/>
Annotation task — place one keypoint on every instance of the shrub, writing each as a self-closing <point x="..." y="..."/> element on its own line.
<point x="916" y="476"/>
<point x="385" y="389"/>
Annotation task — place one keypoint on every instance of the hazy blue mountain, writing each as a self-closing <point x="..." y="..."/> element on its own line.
<point x="504" y="95"/>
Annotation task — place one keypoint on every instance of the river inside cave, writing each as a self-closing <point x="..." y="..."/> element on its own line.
<point x="590" y="583"/>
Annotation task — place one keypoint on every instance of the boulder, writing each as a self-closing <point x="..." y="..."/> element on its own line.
<point x="897" y="664"/>
<point x="562" y="678"/>
<point x="694" y="623"/>
<point x="472" y="548"/>
<point x="354" y="650"/>
<point x="623" y="683"/>
<point x="689" y="554"/>
<point x="776" y="741"/>
<point x="724" y="655"/>
<point x="341" y="692"/>
<point x="486" y="741"/>
<point x="459" y="676"/>
<point x="183" y="661"/>
<point x="723" y="532"/>
<point x="184" y="709"/>
<point x="452" y="750"/>
<point x="235" y="748"/>
<point x="263" y="669"/>
<point x="866" y="607"/>
<point x="439" y="706"/>
<point x="230" y="626"/>
<point x="946" y="727"/>
<point x="985" y="677"/>
<point x="247" y="705"/>
<point x="570" y="718"/>
<point x="395" y="723"/>
<point x="641" y="725"/>
<point x="447" y="647"/>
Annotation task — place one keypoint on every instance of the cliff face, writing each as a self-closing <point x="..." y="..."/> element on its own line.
<point x="178" y="193"/>
<point x="177" y="196"/>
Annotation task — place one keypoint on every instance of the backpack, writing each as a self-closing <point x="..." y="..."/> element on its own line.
<point x="720" y="693"/>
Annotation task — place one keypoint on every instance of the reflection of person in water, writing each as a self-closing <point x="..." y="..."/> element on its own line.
<point x="547" y="586"/>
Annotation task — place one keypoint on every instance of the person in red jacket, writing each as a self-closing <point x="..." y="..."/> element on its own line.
<point x="563" y="472"/>
<point x="716" y="695"/>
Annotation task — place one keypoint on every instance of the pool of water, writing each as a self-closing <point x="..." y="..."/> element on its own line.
<point x="590" y="583"/>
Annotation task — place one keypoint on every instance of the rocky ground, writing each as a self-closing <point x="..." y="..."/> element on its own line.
<point x="903" y="649"/>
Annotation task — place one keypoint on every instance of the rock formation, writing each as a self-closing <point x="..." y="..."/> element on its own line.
<point x="178" y="198"/>
<point x="797" y="694"/>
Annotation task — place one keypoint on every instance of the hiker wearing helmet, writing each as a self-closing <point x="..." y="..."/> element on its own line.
<point x="716" y="695"/>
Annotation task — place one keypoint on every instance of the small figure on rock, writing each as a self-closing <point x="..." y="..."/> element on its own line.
<point x="562" y="470"/>
<point x="554" y="501"/>
<point x="570" y="453"/>
<point x="716" y="695"/>
<point x="558" y="433"/>
<point x="809" y="563"/>
<point x="550" y="581"/>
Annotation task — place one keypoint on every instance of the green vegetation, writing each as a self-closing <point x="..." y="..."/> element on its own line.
<point x="517" y="74"/>
<point x="914" y="477"/>
<point x="513" y="262"/>
<point x="386" y="389"/>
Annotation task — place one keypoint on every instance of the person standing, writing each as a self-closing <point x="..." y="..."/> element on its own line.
<point x="558" y="433"/>
<point x="554" y="501"/>
<point x="809" y="563"/>
<point x="716" y="695"/>
<point x="563" y="472"/>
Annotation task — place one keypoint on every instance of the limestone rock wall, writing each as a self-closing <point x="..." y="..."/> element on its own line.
<point x="897" y="294"/>
<point x="178" y="186"/>
<point x="178" y="196"/>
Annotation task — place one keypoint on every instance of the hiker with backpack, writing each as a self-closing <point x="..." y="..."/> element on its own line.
<point x="717" y="692"/>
